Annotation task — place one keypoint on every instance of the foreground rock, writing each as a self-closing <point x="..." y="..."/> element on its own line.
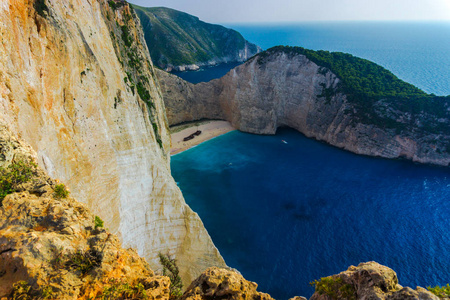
<point x="279" y="88"/>
<point x="216" y="283"/>
<point x="367" y="281"/>
<point x="52" y="247"/>
<point x="78" y="85"/>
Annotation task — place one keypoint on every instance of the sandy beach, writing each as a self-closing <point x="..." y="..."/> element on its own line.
<point x="210" y="129"/>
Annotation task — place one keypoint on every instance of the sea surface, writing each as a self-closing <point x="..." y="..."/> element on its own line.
<point x="206" y="74"/>
<point x="284" y="214"/>
<point x="417" y="53"/>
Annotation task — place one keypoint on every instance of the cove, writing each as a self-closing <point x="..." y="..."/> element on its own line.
<point x="284" y="214"/>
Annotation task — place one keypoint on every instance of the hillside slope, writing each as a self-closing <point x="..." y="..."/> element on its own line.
<point x="78" y="85"/>
<point x="337" y="98"/>
<point x="179" y="41"/>
<point x="52" y="246"/>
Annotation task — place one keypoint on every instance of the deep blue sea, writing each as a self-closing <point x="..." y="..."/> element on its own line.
<point x="286" y="214"/>
<point x="418" y="53"/>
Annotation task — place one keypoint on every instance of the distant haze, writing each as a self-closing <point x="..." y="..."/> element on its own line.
<point x="280" y="11"/>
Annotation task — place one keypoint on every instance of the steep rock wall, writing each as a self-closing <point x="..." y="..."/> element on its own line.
<point x="51" y="247"/>
<point x="77" y="84"/>
<point x="290" y="90"/>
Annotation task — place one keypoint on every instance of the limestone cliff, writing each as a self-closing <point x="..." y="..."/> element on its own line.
<point x="52" y="247"/>
<point x="281" y="88"/>
<point x="77" y="84"/>
<point x="179" y="41"/>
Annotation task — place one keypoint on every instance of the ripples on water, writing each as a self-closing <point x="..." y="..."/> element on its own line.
<point x="286" y="214"/>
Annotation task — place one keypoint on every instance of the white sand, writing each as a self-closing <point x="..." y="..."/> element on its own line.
<point x="209" y="129"/>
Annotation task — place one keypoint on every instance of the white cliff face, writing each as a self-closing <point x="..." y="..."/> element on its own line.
<point x="62" y="90"/>
<point x="290" y="90"/>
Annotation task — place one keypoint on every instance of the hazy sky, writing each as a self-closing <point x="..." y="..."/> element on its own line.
<point x="242" y="11"/>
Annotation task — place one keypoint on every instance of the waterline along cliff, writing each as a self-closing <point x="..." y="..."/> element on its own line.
<point x="345" y="101"/>
<point x="77" y="84"/>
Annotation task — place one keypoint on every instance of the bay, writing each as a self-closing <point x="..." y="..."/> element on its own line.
<point x="286" y="214"/>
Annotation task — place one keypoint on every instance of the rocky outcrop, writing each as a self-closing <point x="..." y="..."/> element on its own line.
<point x="77" y="84"/>
<point x="285" y="89"/>
<point x="216" y="283"/>
<point x="179" y="42"/>
<point x="367" y="281"/>
<point x="53" y="247"/>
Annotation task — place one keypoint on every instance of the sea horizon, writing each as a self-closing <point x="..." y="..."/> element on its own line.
<point x="416" y="52"/>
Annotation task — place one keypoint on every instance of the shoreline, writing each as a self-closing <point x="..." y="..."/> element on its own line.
<point x="209" y="130"/>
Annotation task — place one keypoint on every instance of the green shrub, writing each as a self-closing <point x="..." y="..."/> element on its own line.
<point x="60" y="191"/>
<point x="159" y="141"/>
<point x="84" y="261"/>
<point x="365" y="84"/>
<point x="117" y="290"/>
<point x="21" y="290"/>
<point x="126" y="36"/>
<point x="334" y="287"/>
<point x="143" y="92"/>
<point x="440" y="291"/>
<point x="47" y="293"/>
<point x="112" y="4"/>
<point x="170" y="269"/>
<point x="98" y="223"/>
<point x="14" y="175"/>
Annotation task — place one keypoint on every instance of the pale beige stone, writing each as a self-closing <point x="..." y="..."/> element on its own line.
<point x="286" y="90"/>
<point x="59" y="77"/>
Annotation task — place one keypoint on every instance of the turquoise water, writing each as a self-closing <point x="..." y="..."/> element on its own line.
<point x="286" y="214"/>
<point x="418" y="53"/>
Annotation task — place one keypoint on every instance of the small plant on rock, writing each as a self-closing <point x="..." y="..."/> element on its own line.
<point x="84" y="261"/>
<point x="118" y="290"/>
<point x="334" y="287"/>
<point x="170" y="269"/>
<point x="61" y="191"/>
<point x="21" y="291"/>
<point x="98" y="223"/>
<point x="14" y="175"/>
<point x="440" y="291"/>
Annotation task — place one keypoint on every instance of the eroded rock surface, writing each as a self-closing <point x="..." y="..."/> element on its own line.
<point x="217" y="283"/>
<point x="77" y="84"/>
<point x="286" y="89"/>
<point x="368" y="281"/>
<point x="55" y="248"/>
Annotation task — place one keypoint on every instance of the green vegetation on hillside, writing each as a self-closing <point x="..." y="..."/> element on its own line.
<point x="171" y="270"/>
<point x="134" y="63"/>
<point x="176" y="38"/>
<point x="375" y="92"/>
<point x="334" y="287"/>
<point x="13" y="176"/>
<point x="440" y="291"/>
